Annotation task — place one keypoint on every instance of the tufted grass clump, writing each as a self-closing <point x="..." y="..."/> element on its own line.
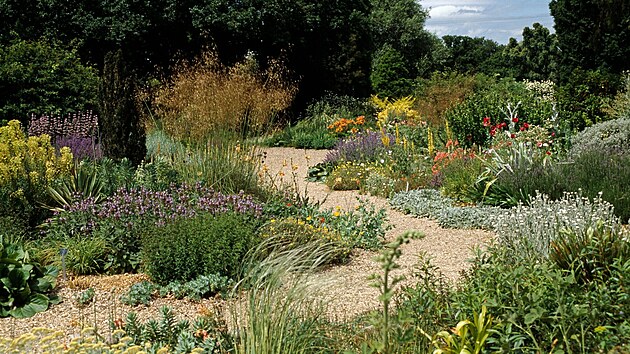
<point x="205" y="97"/>
<point x="528" y="230"/>
<point x="284" y="309"/>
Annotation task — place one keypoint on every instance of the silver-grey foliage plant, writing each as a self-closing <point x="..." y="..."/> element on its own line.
<point x="528" y="230"/>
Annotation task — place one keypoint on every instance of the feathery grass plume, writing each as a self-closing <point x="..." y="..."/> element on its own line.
<point x="205" y="97"/>
<point x="283" y="305"/>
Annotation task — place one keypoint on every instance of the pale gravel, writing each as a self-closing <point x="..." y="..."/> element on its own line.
<point x="350" y="293"/>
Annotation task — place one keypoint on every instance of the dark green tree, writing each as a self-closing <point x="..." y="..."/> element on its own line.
<point x="592" y="35"/>
<point x="389" y="74"/>
<point x="470" y="55"/>
<point x="399" y="25"/>
<point x="122" y="133"/>
<point x="43" y="77"/>
<point x="539" y="50"/>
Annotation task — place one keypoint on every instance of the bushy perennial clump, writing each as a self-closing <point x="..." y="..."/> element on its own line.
<point x="363" y="147"/>
<point x="179" y="201"/>
<point x="528" y="229"/>
<point x="612" y="136"/>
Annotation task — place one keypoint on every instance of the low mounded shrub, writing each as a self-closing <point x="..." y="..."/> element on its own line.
<point x="430" y="203"/>
<point x="202" y="245"/>
<point x="612" y="136"/>
<point x="528" y="230"/>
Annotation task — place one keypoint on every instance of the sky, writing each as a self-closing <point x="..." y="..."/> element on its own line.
<point x="493" y="19"/>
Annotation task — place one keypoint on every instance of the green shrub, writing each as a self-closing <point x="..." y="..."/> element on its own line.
<point x="461" y="179"/>
<point x="24" y="285"/>
<point x="309" y="133"/>
<point x="588" y="253"/>
<point x="294" y="232"/>
<point x="583" y="98"/>
<point x="203" y="245"/>
<point x="534" y="306"/>
<point x="139" y="293"/>
<point x="598" y="172"/>
<point x="466" y="118"/>
<point x="612" y="136"/>
<point x="38" y="77"/>
<point x="203" y="286"/>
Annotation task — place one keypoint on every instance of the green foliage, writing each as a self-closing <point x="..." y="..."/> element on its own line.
<point x="398" y="25"/>
<point x="461" y="179"/>
<point x="203" y="286"/>
<point x="309" y="133"/>
<point x="122" y="133"/>
<point x="363" y="227"/>
<point x="38" y="77"/>
<point x="469" y="55"/>
<point x="380" y="185"/>
<point x="85" y="297"/>
<point x="591" y="35"/>
<point x="203" y="245"/>
<point x="180" y="336"/>
<point x="224" y="165"/>
<point x="139" y="293"/>
<point x="587" y="253"/>
<point x="295" y="232"/>
<point x="466" y="119"/>
<point x="350" y="175"/>
<point x="582" y="100"/>
<point x="389" y="74"/>
<point x="83" y="182"/>
<point x="24" y="285"/>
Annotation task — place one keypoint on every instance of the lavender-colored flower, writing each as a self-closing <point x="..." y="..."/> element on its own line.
<point x="363" y="147"/>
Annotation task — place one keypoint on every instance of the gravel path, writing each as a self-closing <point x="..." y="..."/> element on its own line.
<point x="448" y="249"/>
<point x="350" y="294"/>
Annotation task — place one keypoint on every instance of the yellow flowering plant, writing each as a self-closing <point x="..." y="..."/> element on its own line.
<point x="28" y="165"/>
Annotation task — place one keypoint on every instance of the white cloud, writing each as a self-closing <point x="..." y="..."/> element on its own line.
<point x="493" y="19"/>
<point x="453" y="10"/>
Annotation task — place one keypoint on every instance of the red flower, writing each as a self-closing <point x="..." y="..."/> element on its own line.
<point x="525" y="125"/>
<point x="503" y="125"/>
<point x="515" y="119"/>
<point x="493" y="131"/>
<point x="512" y="136"/>
<point x="486" y="122"/>
<point x="553" y="133"/>
<point x="522" y="129"/>
<point x="548" y="152"/>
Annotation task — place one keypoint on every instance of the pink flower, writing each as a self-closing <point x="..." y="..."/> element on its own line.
<point x="522" y="129"/>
